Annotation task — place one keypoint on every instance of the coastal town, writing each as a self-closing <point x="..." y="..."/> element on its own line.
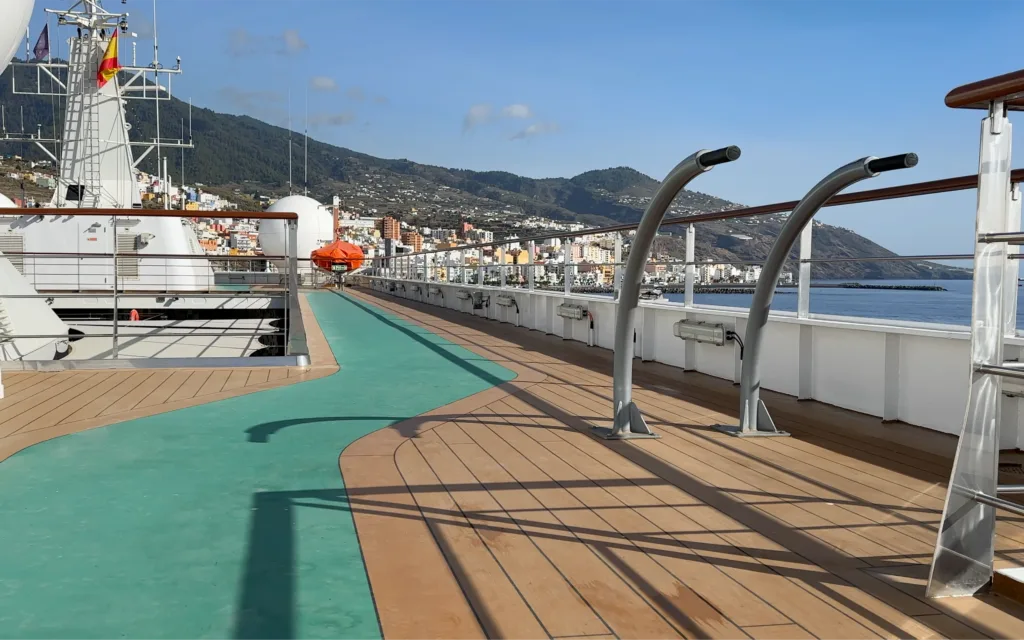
<point x="591" y="258"/>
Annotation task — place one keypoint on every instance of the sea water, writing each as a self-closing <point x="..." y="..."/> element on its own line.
<point x="952" y="306"/>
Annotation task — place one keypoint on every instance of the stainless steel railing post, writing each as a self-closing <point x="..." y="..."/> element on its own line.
<point x="113" y="227"/>
<point x="628" y="423"/>
<point x="691" y="267"/>
<point x="293" y="279"/>
<point x="531" y="248"/>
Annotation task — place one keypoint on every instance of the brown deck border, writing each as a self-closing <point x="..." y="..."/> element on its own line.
<point x="837" y="544"/>
<point x="165" y="390"/>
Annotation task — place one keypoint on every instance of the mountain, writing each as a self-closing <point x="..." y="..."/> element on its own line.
<point x="239" y="154"/>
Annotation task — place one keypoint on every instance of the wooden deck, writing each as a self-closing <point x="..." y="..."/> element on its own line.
<point x="38" y="406"/>
<point x="500" y="516"/>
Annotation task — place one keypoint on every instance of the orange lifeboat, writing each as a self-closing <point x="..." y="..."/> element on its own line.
<point x="339" y="253"/>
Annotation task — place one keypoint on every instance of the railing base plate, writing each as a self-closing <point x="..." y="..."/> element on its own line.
<point x="734" y="430"/>
<point x="610" y="434"/>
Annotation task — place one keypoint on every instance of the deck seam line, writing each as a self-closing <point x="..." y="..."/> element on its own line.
<point x="25" y="409"/>
<point x="750" y="468"/>
<point x="112" y="400"/>
<point x="434" y="534"/>
<point x="512" y="520"/>
<point x="597" y="613"/>
<point x="675" y="541"/>
<point x="476" y="531"/>
<point x="585" y="543"/>
<point x="799" y="583"/>
<point x="79" y="394"/>
<point x="754" y="465"/>
<point x="22" y="404"/>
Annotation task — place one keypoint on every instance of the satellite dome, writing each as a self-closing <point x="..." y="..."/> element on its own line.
<point x="315" y="222"/>
<point x="16" y="14"/>
<point x="6" y="203"/>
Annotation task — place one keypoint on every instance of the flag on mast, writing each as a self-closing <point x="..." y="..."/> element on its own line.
<point x="109" y="64"/>
<point x="42" y="49"/>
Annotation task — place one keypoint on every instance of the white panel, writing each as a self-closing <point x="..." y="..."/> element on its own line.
<point x="780" y="366"/>
<point x="934" y="377"/>
<point x="668" y="349"/>
<point x="849" y="368"/>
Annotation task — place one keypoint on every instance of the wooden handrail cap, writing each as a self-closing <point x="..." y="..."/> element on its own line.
<point x="1008" y="87"/>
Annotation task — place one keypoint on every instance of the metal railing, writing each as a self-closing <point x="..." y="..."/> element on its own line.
<point x="476" y="264"/>
<point x="111" y="285"/>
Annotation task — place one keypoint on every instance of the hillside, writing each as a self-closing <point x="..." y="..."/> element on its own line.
<point x="244" y="154"/>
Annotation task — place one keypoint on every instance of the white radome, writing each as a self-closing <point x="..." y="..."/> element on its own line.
<point x="15" y="16"/>
<point x="315" y="222"/>
<point x="6" y="203"/>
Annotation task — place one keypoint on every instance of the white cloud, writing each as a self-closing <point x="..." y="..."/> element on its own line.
<point x="477" y="115"/>
<point x="480" y="114"/>
<point x="519" y="111"/>
<point x="322" y="83"/>
<point x="244" y="43"/>
<point x="293" y="42"/>
<point x="332" y="119"/>
<point x="263" y="105"/>
<point x="536" y="129"/>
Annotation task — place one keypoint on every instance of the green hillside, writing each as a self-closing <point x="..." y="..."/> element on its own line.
<point x="244" y="154"/>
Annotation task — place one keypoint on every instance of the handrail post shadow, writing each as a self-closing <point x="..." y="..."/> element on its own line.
<point x="628" y="422"/>
<point x="754" y="417"/>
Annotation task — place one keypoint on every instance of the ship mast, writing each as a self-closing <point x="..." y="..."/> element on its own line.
<point x="96" y="170"/>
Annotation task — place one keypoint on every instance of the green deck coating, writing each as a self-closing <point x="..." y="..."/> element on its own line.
<point x="223" y="520"/>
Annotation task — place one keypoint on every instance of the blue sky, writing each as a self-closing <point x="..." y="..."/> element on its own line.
<point x="556" y="88"/>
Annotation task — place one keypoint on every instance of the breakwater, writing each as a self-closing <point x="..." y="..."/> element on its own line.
<point x="727" y="288"/>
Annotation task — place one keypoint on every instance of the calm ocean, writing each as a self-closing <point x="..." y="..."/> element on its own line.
<point x="952" y="306"/>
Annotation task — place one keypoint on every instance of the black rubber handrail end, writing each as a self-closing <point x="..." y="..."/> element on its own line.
<point x="892" y="163"/>
<point x="719" y="156"/>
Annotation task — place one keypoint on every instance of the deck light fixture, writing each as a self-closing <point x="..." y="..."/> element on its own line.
<point x="706" y="332"/>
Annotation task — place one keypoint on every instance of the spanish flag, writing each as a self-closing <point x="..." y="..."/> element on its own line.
<point x="109" y="64"/>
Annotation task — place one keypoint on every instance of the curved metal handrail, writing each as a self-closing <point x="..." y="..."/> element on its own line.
<point x="628" y="421"/>
<point x="754" y="416"/>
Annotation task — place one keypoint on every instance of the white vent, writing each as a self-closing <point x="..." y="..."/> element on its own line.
<point x="697" y="331"/>
<point x="505" y="301"/>
<point x="434" y="291"/>
<point x="572" y="311"/>
<point x="128" y="256"/>
<point x="462" y="294"/>
<point x="13" y="242"/>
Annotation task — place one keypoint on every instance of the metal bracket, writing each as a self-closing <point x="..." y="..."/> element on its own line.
<point x="765" y="425"/>
<point x="637" y="427"/>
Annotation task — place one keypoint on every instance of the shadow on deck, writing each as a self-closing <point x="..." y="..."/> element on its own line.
<point x="501" y="516"/>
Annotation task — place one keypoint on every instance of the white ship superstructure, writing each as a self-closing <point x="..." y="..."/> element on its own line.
<point x="97" y="169"/>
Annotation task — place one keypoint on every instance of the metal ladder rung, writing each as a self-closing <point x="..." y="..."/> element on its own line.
<point x="1009" y="489"/>
<point x="1013" y="237"/>
<point x="1001" y="370"/>
<point x="992" y="501"/>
